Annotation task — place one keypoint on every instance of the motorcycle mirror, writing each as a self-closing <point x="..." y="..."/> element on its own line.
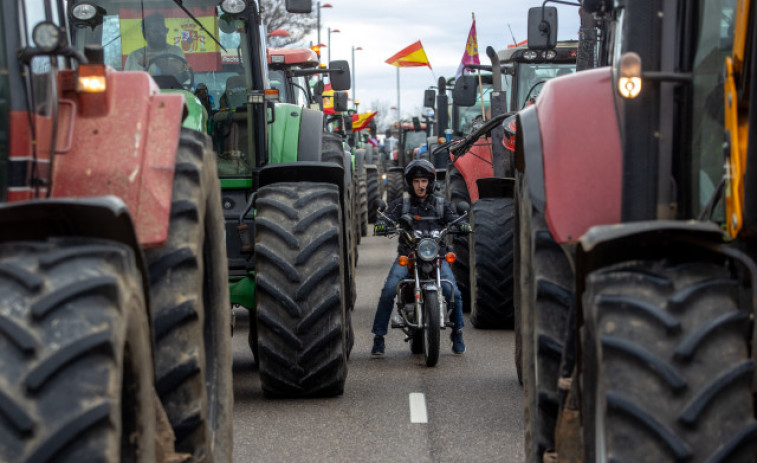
<point x="380" y="205"/>
<point x="462" y="207"/>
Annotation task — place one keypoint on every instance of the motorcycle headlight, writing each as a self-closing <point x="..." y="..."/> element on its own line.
<point x="428" y="249"/>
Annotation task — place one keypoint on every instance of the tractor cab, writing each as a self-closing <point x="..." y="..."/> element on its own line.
<point x="285" y="66"/>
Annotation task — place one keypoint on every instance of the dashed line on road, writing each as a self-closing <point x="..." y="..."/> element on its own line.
<point x="418" y="408"/>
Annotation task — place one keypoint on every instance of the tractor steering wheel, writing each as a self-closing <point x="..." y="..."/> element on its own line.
<point x="528" y="95"/>
<point x="185" y="76"/>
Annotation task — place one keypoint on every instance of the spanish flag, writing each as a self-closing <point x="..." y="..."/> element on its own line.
<point x="360" y="121"/>
<point x="411" y="56"/>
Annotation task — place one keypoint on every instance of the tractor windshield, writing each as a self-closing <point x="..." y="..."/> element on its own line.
<point x="713" y="45"/>
<point x="193" y="48"/>
<point x="470" y="116"/>
<point x="531" y="78"/>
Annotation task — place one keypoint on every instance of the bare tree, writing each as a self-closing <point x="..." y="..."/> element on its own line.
<point x="275" y="16"/>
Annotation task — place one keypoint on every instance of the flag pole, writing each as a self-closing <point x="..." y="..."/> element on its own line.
<point x="480" y="84"/>
<point x="399" y="114"/>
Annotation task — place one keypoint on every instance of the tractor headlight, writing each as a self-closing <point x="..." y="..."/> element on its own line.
<point x="84" y="11"/>
<point x="233" y="6"/>
<point x="428" y="249"/>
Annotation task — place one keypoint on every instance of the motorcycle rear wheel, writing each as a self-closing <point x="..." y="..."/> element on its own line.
<point x="431" y="322"/>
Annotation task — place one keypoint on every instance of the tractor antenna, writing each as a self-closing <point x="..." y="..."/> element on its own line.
<point x="513" y="35"/>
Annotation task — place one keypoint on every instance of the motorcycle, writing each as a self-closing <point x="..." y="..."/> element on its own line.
<point x="421" y="307"/>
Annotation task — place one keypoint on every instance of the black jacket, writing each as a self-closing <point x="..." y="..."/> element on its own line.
<point x="426" y="210"/>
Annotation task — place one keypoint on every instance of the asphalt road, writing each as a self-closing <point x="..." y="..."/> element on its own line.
<point x="472" y="402"/>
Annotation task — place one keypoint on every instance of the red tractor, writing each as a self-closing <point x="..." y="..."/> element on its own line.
<point x="114" y="309"/>
<point x="636" y="212"/>
<point x="481" y="169"/>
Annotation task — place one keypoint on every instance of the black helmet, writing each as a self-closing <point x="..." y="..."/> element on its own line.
<point x="420" y="168"/>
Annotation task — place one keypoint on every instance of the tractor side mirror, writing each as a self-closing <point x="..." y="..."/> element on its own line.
<point x="542" y="28"/>
<point x="340" y="102"/>
<point x="340" y="80"/>
<point x="429" y="96"/>
<point x="464" y="93"/>
<point x="299" y="6"/>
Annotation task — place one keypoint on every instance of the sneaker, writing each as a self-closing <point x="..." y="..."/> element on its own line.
<point x="378" y="346"/>
<point x="458" y="346"/>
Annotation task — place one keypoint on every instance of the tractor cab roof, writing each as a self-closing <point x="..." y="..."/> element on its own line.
<point x="285" y="57"/>
<point x="564" y="52"/>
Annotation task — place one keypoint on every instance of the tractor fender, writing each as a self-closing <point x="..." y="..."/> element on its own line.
<point x="605" y="245"/>
<point x="476" y="163"/>
<point x="319" y="172"/>
<point x="311" y="135"/>
<point x="496" y="187"/>
<point x="581" y="157"/>
<point x="285" y="133"/>
<point x="128" y="151"/>
<point x="103" y="217"/>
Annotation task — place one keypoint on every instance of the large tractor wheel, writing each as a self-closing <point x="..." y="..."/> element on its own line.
<point x="332" y="151"/>
<point x="457" y="191"/>
<point x="395" y="185"/>
<point x="76" y="379"/>
<point x="546" y="291"/>
<point x="372" y="188"/>
<point x="191" y="313"/>
<point x="667" y="371"/>
<point x="363" y="195"/>
<point x="303" y="329"/>
<point x="492" y="263"/>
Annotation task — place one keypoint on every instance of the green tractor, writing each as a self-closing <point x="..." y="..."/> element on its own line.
<point x="284" y="199"/>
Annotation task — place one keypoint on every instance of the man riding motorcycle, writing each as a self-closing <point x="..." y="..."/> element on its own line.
<point x="429" y="211"/>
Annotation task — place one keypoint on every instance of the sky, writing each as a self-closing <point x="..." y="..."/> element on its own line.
<point x="384" y="27"/>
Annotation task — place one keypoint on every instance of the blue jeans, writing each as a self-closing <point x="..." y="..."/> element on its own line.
<point x="386" y="300"/>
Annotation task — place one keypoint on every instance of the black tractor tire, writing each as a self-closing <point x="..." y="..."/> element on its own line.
<point x="521" y="251"/>
<point x="546" y="293"/>
<point x="372" y="189"/>
<point x="667" y="369"/>
<point x="303" y="331"/>
<point x="431" y="329"/>
<point x="76" y="379"/>
<point x="363" y="196"/>
<point x="456" y="192"/>
<point x="332" y="151"/>
<point x="191" y="312"/>
<point x="491" y="269"/>
<point x="395" y="185"/>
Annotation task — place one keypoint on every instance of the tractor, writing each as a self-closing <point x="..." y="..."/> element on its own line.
<point x="481" y="171"/>
<point x="636" y="253"/>
<point x="283" y="185"/>
<point x="116" y="329"/>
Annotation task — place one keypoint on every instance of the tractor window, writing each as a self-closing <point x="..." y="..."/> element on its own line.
<point x="532" y="77"/>
<point x="277" y="80"/>
<point x="713" y="44"/>
<point x="204" y="55"/>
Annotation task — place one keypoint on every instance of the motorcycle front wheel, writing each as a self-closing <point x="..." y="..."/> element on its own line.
<point x="431" y="328"/>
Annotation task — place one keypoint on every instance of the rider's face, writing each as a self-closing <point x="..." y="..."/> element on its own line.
<point x="420" y="186"/>
<point x="155" y="37"/>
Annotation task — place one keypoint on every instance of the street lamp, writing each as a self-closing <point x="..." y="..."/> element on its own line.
<point x="354" y="89"/>
<point x="329" y="42"/>
<point x="318" y="16"/>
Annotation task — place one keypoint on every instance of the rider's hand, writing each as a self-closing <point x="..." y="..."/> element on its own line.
<point x="379" y="228"/>
<point x="465" y="228"/>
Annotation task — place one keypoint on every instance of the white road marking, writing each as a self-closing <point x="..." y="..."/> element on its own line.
<point x="418" y="408"/>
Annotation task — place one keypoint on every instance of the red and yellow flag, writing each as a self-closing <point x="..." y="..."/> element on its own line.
<point x="360" y="121"/>
<point x="328" y="99"/>
<point x="411" y="56"/>
<point x="202" y="53"/>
